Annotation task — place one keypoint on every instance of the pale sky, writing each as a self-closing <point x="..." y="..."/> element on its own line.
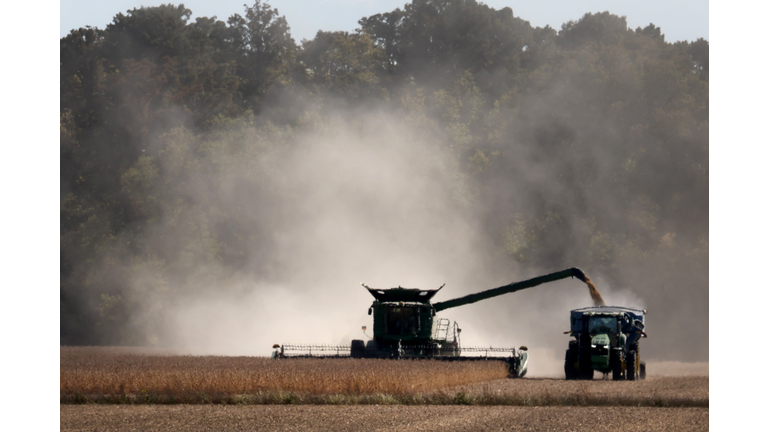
<point x="678" y="19"/>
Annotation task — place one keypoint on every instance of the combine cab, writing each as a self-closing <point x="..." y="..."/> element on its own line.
<point x="406" y="325"/>
<point x="607" y="340"/>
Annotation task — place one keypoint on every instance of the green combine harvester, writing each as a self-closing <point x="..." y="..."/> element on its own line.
<point x="406" y="326"/>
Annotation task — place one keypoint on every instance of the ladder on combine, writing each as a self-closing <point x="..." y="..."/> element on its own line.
<point x="441" y="330"/>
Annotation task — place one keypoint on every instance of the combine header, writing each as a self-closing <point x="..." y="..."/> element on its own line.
<point x="406" y="326"/>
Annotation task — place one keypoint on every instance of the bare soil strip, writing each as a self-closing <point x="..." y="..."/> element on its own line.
<point x="378" y="418"/>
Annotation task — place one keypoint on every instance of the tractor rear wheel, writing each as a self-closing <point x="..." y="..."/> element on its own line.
<point x="642" y="370"/>
<point x="618" y="360"/>
<point x="631" y="360"/>
<point x="571" y="356"/>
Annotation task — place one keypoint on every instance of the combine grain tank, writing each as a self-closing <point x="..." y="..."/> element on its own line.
<point x="406" y="325"/>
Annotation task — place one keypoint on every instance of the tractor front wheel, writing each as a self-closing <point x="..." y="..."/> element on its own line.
<point x="585" y="364"/>
<point x="618" y="360"/>
<point x="631" y="364"/>
<point x="642" y="370"/>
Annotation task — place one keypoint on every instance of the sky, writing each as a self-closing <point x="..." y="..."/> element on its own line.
<point x="679" y="19"/>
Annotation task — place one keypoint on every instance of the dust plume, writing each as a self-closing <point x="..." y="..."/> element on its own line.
<point x="367" y="197"/>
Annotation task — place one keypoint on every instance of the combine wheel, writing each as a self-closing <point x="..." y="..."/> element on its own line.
<point x="571" y="356"/>
<point x="522" y="375"/>
<point x="631" y="365"/>
<point x="585" y="364"/>
<point x="618" y="360"/>
<point x="371" y="349"/>
<point x="642" y="370"/>
<point x="513" y="367"/>
<point x="357" y="349"/>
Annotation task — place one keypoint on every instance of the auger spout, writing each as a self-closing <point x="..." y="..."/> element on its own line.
<point x="517" y="286"/>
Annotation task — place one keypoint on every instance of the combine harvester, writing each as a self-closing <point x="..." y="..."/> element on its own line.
<point x="406" y="326"/>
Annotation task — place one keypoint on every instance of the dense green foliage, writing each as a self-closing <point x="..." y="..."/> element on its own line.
<point x="154" y="107"/>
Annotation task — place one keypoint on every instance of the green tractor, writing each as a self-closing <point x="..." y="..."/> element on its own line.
<point x="607" y="340"/>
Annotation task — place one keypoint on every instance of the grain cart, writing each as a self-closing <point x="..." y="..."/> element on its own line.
<point x="607" y="339"/>
<point x="406" y="325"/>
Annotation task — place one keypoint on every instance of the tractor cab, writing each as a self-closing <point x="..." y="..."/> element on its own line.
<point x="604" y="332"/>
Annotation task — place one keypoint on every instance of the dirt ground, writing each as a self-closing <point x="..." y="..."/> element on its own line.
<point x="377" y="418"/>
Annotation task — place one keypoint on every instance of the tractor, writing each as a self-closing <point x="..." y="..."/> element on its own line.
<point x="607" y="340"/>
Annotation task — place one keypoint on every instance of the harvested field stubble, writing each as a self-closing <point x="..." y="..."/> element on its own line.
<point x="194" y="418"/>
<point x="89" y="372"/>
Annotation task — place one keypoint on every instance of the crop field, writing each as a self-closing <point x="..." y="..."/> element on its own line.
<point x="150" y="389"/>
<point x="127" y="376"/>
<point x="114" y="374"/>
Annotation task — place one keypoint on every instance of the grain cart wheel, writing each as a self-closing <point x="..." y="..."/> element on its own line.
<point x="618" y="360"/>
<point x="571" y="356"/>
<point x="642" y="370"/>
<point x="585" y="364"/>
<point x="357" y="349"/>
<point x="631" y="360"/>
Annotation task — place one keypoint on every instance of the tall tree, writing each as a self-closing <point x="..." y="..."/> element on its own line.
<point x="433" y="39"/>
<point x="345" y="64"/>
<point x="266" y="50"/>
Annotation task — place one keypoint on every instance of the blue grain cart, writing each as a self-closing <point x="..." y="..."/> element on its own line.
<point x="607" y="340"/>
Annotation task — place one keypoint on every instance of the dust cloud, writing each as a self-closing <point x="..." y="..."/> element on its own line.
<point x="367" y="198"/>
<point x="373" y="197"/>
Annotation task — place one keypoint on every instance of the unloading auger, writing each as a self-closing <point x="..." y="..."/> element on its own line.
<point x="406" y="325"/>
